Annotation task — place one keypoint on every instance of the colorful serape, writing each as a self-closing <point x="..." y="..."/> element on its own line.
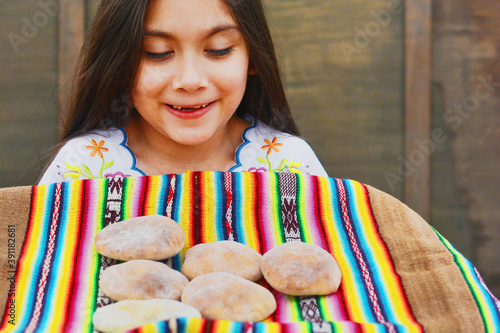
<point x="385" y="252"/>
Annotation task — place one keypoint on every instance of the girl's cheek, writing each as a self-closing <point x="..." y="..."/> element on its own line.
<point x="234" y="74"/>
<point x="150" y="77"/>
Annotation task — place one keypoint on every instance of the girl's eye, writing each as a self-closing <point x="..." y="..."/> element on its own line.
<point x="220" y="53"/>
<point x="158" y="56"/>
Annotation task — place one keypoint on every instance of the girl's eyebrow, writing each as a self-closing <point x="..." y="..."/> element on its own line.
<point x="207" y="34"/>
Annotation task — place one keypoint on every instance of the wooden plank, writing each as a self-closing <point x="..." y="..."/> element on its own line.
<point x="28" y="73"/>
<point x="71" y="33"/>
<point x="342" y="65"/>
<point x="91" y="9"/>
<point x="416" y="166"/>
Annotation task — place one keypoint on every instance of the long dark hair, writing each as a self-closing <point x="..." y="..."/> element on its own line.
<point x="112" y="53"/>
<point x="264" y="96"/>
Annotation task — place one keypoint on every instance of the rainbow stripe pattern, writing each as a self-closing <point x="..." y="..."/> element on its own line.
<point x="58" y="271"/>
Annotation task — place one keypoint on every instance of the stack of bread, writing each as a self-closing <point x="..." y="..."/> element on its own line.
<point x="220" y="280"/>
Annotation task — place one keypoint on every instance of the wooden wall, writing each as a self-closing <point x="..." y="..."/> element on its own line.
<point x="466" y="104"/>
<point x="374" y="88"/>
<point x="345" y="88"/>
<point x="28" y="67"/>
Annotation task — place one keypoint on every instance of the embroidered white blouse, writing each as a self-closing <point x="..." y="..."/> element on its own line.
<point x="103" y="154"/>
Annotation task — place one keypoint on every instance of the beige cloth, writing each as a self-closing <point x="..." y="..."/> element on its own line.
<point x="438" y="295"/>
<point x="14" y="211"/>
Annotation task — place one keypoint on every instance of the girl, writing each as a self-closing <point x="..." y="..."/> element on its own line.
<point x="167" y="86"/>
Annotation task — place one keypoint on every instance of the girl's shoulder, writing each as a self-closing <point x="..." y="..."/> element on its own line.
<point x="97" y="154"/>
<point x="111" y="137"/>
<point x="265" y="149"/>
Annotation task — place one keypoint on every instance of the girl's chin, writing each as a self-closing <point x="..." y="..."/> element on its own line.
<point x="189" y="140"/>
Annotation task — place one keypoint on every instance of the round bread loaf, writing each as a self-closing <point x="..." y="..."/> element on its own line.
<point x="297" y="268"/>
<point x="223" y="295"/>
<point x="152" y="237"/>
<point x="223" y="256"/>
<point x="126" y="315"/>
<point x="142" y="279"/>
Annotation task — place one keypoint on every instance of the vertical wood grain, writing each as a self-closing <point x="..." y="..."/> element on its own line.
<point x="348" y="104"/>
<point x="71" y="33"/>
<point x="28" y="73"/>
<point x="418" y="21"/>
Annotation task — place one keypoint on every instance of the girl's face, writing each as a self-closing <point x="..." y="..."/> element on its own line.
<point x="194" y="70"/>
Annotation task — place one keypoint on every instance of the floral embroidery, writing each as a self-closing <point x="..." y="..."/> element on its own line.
<point x="254" y="169"/>
<point x="118" y="174"/>
<point x="69" y="171"/>
<point x="75" y="172"/>
<point x="97" y="148"/>
<point x="273" y="146"/>
<point x="293" y="167"/>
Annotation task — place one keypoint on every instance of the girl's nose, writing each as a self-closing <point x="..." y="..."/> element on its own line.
<point x="189" y="76"/>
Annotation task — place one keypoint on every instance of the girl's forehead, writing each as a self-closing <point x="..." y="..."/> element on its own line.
<point x="187" y="15"/>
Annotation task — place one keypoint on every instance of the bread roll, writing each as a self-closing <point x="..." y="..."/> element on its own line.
<point x="227" y="296"/>
<point x="297" y="268"/>
<point x="222" y="256"/>
<point x="127" y="315"/>
<point x="142" y="279"/>
<point x="152" y="237"/>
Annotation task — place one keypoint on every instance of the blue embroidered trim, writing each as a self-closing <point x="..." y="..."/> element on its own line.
<point x="243" y="144"/>
<point x="124" y="145"/>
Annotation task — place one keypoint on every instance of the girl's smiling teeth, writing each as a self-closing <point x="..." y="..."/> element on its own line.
<point x="187" y="108"/>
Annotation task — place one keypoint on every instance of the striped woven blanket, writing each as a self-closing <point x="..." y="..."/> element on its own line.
<point x="398" y="274"/>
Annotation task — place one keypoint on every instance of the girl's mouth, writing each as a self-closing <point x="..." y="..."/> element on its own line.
<point x="188" y="108"/>
<point x="189" y="111"/>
